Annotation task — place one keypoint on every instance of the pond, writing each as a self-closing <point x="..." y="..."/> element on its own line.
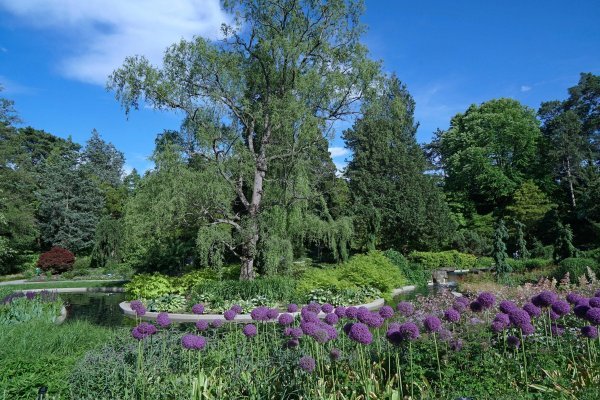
<point x="97" y="308"/>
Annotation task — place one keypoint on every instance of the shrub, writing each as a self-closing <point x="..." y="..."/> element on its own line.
<point x="149" y="286"/>
<point x="56" y="260"/>
<point x="484" y="262"/>
<point x="576" y="267"/>
<point x="415" y="273"/>
<point x="277" y="288"/>
<point x="443" y="259"/>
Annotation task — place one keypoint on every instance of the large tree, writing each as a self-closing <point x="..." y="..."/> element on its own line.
<point x="266" y="93"/>
<point x="396" y="204"/>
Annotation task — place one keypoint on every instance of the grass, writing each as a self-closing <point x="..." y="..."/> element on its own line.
<point x="66" y="284"/>
<point x="39" y="354"/>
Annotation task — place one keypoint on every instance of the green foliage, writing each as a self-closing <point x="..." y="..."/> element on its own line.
<point x="522" y="252"/>
<point x="529" y="204"/>
<point x="168" y="303"/>
<point x="563" y="245"/>
<point x="521" y="266"/>
<point x="484" y="262"/>
<point x="576" y="268"/>
<point x="395" y="203"/>
<point x="146" y="286"/>
<point x="108" y="242"/>
<point x="443" y="259"/>
<point x="276" y="289"/>
<point x="342" y="297"/>
<point x="36" y="354"/>
<point x="416" y="274"/>
<point x="499" y="254"/>
<point x="22" y="310"/>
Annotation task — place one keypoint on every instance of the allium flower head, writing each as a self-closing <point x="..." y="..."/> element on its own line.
<point x="405" y="308"/>
<point x="595" y="302"/>
<point x="476" y="306"/>
<point x="506" y="306"/>
<point x="502" y="318"/>
<point x="249" y="330"/>
<point x="229" y="315"/>
<point x="321" y="336"/>
<point x="597" y="294"/>
<point x="498" y="326"/>
<point x="432" y="323"/>
<point x="236" y="308"/>
<point x="583" y="301"/>
<point x="309" y="328"/>
<point x="143" y="330"/>
<point x="202" y="325"/>
<point x="137" y="334"/>
<point x="163" y="319"/>
<point x="527" y="329"/>
<point x="309" y="316"/>
<point x="486" y="299"/>
<point x="30" y="295"/>
<point x="331" y="331"/>
<point x="360" y="333"/>
<point x="340" y="311"/>
<point x="544" y="299"/>
<point x="335" y="354"/>
<point x="386" y="312"/>
<point x="135" y="304"/>
<point x="198" y="308"/>
<point x="362" y="312"/>
<point x="193" y="342"/>
<point x="351" y="312"/>
<point x="553" y="316"/>
<point x="272" y="313"/>
<point x="285" y="319"/>
<point x="463" y="299"/>
<point x="217" y="323"/>
<point x="409" y="331"/>
<point x="532" y="310"/>
<point x="573" y="298"/>
<point x="290" y="344"/>
<point x="593" y="315"/>
<point x="590" y="332"/>
<point x="347" y="327"/>
<point x="307" y="363"/>
<point x="294" y="332"/>
<point x="327" y="308"/>
<point x="314" y="307"/>
<point x="394" y="336"/>
<point x="260" y="313"/>
<point x="445" y="335"/>
<point x="451" y="315"/>
<point x="292" y="307"/>
<point x="581" y="310"/>
<point x="371" y="319"/>
<point x="513" y="341"/>
<point x="561" y="307"/>
<point x="331" y="319"/>
<point x="519" y="318"/>
<point x="557" y="330"/>
<point x="456" y="344"/>
<point x="459" y="306"/>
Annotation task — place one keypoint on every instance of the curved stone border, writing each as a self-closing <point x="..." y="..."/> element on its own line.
<point x="115" y="289"/>
<point x="243" y="318"/>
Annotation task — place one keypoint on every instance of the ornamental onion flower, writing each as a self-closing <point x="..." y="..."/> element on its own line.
<point x="250" y="330"/>
<point x="201" y="325"/>
<point x="259" y="313"/>
<point x="292" y="308"/>
<point x="573" y="298"/>
<point x="595" y="302"/>
<point x="386" y="312"/>
<point x="321" y="336"/>
<point x="513" y="341"/>
<point x="519" y="318"/>
<point x="502" y="318"/>
<point x="544" y="299"/>
<point x="163" y="319"/>
<point x="340" y="311"/>
<point x="331" y="319"/>
<point x="236" y="308"/>
<point x="217" y="323"/>
<point x="497" y="326"/>
<point x="360" y="333"/>
<point x="198" y="308"/>
<point x="581" y="310"/>
<point x="476" y="306"/>
<point x="405" y="308"/>
<point x="506" y="306"/>
<point x="593" y="315"/>
<point x="285" y="319"/>
<point x="193" y="342"/>
<point x="561" y="307"/>
<point x="272" y="313"/>
<point x="229" y="315"/>
<point x="590" y="332"/>
<point x="527" y="329"/>
<point x="557" y="330"/>
<point x="307" y="363"/>
<point x="432" y="323"/>
<point x="294" y="342"/>
<point x="327" y="308"/>
<point x="532" y="310"/>
<point x="486" y="299"/>
<point x="335" y="354"/>
<point x="459" y="306"/>
<point x="409" y="331"/>
<point x="314" y="307"/>
<point x="351" y="312"/>
<point x="451" y="315"/>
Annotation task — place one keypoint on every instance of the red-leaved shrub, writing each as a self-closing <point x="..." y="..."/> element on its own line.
<point x="57" y="260"/>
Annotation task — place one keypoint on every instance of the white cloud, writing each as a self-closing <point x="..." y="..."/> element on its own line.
<point x="104" y="32"/>
<point x="3" y="49"/>
<point x="525" y="88"/>
<point x="338" y="151"/>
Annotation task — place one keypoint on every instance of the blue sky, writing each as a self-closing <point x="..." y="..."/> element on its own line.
<point x="55" y="56"/>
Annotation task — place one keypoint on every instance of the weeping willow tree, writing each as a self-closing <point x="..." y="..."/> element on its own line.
<point x="257" y="103"/>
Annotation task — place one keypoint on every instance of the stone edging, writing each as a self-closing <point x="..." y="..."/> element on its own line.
<point x="77" y="290"/>
<point x="242" y="318"/>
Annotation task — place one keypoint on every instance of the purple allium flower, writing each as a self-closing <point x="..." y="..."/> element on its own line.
<point x="486" y="299"/>
<point x="135" y="304"/>
<point x="573" y="298"/>
<point x="581" y="310"/>
<point x="409" y="331"/>
<point x="163" y="319"/>
<point x="597" y="294"/>
<point x="272" y="313"/>
<point x="595" y="302"/>
<point x="285" y="319"/>
<point x="331" y="331"/>
<point x="250" y="330"/>
<point x="386" y="312"/>
<point x="459" y="306"/>
<point x="202" y="325"/>
<point x="259" y="313"/>
<point x="394" y="326"/>
<point x="321" y="336"/>
<point x="327" y="308"/>
<point x="463" y="299"/>
<point x="30" y="295"/>
<point x="475" y="321"/>
<point x="532" y="310"/>
<point x="394" y="336"/>
<point x="362" y="312"/>
<point x="290" y="344"/>
<point x="347" y="327"/>
<point x="502" y="318"/>
<point x="360" y="333"/>
<point x="561" y="307"/>
<point x="307" y="363"/>
<point x="351" y="312"/>
<point x="373" y="320"/>
<point x="583" y="301"/>
<point x="331" y="319"/>
<point x="335" y="354"/>
<point x="456" y="344"/>
<point x="296" y="332"/>
<point x="340" y="311"/>
<point x="236" y="308"/>
<point x="309" y="316"/>
<point x="590" y="332"/>
<point x="498" y="326"/>
<point x="137" y="334"/>
<point x="309" y="328"/>
<point x="506" y="306"/>
<point x="405" y="308"/>
<point x="451" y="315"/>
<point x="198" y="308"/>
<point x="147" y="329"/>
<point x="593" y="315"/>
<point x="513" y="341"/>
<point x="217" y="323"/>
<point x="553" y="316"/>
<point x="527" y="329"/>
<point x="193" y="342"/>
<point x="445" y="335"/>
<point x="557" y="330"/>
<point x="229" y="315"/>
<point x="314" y="307"/>
<point x="292" y="307"/>
<point x="476" y="306"/>
<point x="519" y="318"/>
<point x="544" y="299"/>
<point x="432" y="323"/>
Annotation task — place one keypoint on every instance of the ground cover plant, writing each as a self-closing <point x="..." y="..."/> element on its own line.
<point x="541" y="343"/>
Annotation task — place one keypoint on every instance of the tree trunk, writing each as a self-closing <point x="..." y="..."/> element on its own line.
<point x="570" y="179"/>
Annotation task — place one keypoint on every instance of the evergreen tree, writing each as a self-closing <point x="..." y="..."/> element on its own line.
<point x="396" y="205"/>
<point x="102" y="160"/>
<point x="563" y="246"/>
<point x="70" y="204"/>
<point x="499" y="253"/>
<point x="522" y="252"/>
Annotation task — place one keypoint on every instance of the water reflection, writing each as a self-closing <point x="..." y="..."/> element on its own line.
<point x="97" y="308"/>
